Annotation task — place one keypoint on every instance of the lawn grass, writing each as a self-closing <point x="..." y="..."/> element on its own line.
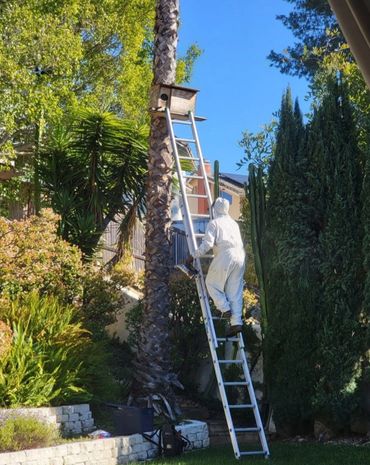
<point x="281" y="454"/>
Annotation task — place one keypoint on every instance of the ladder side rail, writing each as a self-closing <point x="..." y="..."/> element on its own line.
<point x="190" y="233"/>
<point x="252" y="396"/>
<point x="191" y="237"/>
<point x="202" y="291"/>
<point x="206" y="311"/>
<point x="225" y="402"/>
<point x="201" y="162"/>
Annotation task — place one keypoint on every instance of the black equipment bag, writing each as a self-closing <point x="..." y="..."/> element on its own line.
<point x="171" y="442"/>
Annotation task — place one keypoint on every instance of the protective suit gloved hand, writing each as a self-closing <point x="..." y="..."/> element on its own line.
<point x="189" y="261"/>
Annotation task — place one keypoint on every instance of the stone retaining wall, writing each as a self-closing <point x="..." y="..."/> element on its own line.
<point x="113" y="451"/>
<point x="70" y="419"/>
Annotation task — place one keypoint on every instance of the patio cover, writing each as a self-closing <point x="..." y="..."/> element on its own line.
<point x="354" y="19"/>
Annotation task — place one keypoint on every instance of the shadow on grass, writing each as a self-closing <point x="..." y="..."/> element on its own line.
<point x="281" y="454"/>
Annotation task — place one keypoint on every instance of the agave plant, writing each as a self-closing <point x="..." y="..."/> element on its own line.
<point x="93" y="170"/>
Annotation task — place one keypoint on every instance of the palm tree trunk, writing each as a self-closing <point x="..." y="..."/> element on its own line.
<point x="153" y="374"/>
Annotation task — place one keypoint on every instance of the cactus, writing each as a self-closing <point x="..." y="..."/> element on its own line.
<point x="216" y="176"/>
<point x="257" y="196"/>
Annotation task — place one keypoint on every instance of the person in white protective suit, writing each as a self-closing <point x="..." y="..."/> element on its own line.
<point x="225" y="275"/>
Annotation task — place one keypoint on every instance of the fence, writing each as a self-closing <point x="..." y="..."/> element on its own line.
<point x="179" y="247"/>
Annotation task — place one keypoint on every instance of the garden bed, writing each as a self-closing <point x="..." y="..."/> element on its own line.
<point x="69" y="419"/>
<point x="111" y="451"/>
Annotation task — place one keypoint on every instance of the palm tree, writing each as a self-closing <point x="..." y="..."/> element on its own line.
<point x="92" y="172"/>
<point x="153" y="366"/>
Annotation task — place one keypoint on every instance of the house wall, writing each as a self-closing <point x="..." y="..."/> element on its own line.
<point x="237" y="195"/>
<point x="131" y="299"/>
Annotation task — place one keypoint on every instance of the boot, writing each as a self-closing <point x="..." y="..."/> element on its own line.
<point x="224" y="315"/>
<point x="189" y="270"/>
<point x="233" y="330"/>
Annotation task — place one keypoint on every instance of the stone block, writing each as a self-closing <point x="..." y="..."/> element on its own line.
<point x="87" y="446"/>
<point x="51" y="419"/>
<point x="108" y="443"/>
<point x="37" y="462"/>
<point x="133" y="457"/>
<point x="101" y="454"/>
<point x="19" y="456"/>
<point x="123" y="459"/>
<point x="108" y="461"/>
<point x="5" y="458"/>
<point x="71" y="460"/>
<point x="152" y="453"/>
<point x="97" y="444"/>
<point x="198" y="444"/>
<point x="138" y="448"/>
<point x="74" y="417"/>
<point x="82" y="408"/>
<point x="68" y="409"/>
<point x="77" y="428"/>
<point x="61" y="418"/>
<point x="60" y="451"/>
<point x="89" y="423"/>
<point x="191" y="436"/>
<point x="56" y="461"/>
<point x="126" y="450"/>
<point x="33" y="454"/>
<point x="135" y="439"/>
<point x="74" y="448"/>
<point x="206" y="442"/>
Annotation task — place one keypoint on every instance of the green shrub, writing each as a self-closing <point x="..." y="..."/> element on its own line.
<point x="33" y="256"/>
<point x="21" y="433"/>
<point x="52" y="359"/>
<point x="100" y="304"/>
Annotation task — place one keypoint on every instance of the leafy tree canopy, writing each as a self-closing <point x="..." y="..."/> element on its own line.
<point x="60" y="54"/>
<point x="315" y="28"/>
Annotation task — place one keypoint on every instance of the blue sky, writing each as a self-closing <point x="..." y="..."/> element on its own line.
<point x="238" y="88"/>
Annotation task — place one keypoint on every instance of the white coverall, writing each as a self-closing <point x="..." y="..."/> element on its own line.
<point x="225" y="275"/>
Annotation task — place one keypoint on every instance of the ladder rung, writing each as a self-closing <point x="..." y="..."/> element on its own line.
<point x="254" y="452"/>
<point x="187" y="141"/>
<point x="192" y="176"/>
<point x="230" y="361"/>
<point x="228" y="339"/>
<point x="236" y="383"/>
<point x="199" y="235"/>
<point x="181" y="157"/>
<point x="199" y="215"/>
<point x="198" y="196"/>
<point x="207" y="256"/>
<point x="241" y="406"/>
<point x="179" y="121"/>
<point x="255" y="429"/>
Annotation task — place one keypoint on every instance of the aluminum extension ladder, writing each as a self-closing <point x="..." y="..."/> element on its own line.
<point x="213" y="339"/>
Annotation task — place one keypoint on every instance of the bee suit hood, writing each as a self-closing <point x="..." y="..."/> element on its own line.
<point x="220" y="207"/>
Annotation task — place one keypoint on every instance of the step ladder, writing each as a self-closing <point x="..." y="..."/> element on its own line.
<point x="214" y="340"/>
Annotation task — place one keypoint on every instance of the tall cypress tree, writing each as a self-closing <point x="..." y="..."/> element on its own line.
<point x="340" y="338"/>
<point x="290" y="279"/>
<point x="316" y="336"/>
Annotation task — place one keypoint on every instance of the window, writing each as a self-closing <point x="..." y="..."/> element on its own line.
<point x="227" y="196"/>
